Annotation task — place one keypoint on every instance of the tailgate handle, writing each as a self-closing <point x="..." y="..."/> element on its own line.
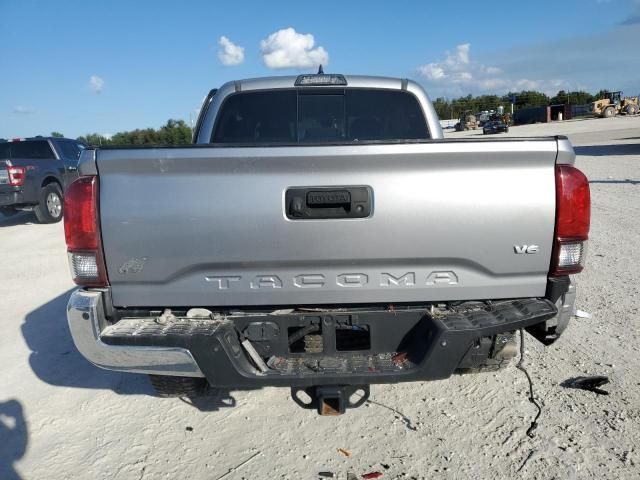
<point x="328" y="202"/>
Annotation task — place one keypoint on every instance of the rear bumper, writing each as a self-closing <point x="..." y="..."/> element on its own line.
<point x="405" y="345"/>
<point x="11" y="198"/>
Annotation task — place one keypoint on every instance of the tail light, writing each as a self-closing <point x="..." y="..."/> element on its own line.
<point x="82" y="233"/>
<point x="573" y="215"/>
<point x="17" y="176"/>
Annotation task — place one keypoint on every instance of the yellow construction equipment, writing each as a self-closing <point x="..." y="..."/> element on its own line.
<point x="468" y="121"/>
<point x="614" y="104"/>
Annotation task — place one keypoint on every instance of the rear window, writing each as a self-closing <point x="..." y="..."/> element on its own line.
<point x="30" y="149"/>
<point x="326" y="116"/>
<point x="70" y="149"/>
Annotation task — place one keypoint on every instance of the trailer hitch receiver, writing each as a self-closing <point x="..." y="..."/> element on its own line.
<point x="331" y="399"/>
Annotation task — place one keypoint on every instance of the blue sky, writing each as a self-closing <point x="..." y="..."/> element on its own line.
<point x="87" y="66"/>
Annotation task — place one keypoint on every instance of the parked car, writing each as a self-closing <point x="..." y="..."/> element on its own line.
<point x="495" y="126"/>
<point x="321" y="235"/>
<point x="34" y="173"/>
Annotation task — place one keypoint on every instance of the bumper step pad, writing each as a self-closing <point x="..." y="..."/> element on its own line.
<point x="499" y="315"/>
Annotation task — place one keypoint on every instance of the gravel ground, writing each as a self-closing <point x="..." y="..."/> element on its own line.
<point x="62" y="418"/>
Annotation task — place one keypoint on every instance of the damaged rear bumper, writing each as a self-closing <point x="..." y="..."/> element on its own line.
<point x="407" y="344"/>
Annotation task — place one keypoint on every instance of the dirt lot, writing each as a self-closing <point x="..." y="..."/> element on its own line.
<point x="62" y="418"/>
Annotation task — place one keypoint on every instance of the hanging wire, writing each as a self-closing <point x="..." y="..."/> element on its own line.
<point x="520" y="366"/>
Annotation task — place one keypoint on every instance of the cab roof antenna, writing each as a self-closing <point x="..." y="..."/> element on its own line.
<point x="320" y="70"/>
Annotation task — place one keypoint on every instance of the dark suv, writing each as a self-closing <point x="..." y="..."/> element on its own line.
<point x="34" y="173"/>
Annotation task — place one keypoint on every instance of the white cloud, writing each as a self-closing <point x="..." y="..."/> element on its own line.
<point x="492" y="84"/>
<point x="96" y="83"/>
<point x="432" y="71"/>
<point x="21" y="109"/>
<point x="526" y="84"/>
<point x="454" y="68"/>
<point x="287" y="48"/>
<point x="229" y="53"/>
<point x="459" y="74"/>
<point x="460" y="56"/>
<point x="565" y="63"/>
<point x="572" y="65"/>
<point x="492" y="70"/>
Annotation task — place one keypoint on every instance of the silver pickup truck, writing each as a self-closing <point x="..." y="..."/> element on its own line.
<point x="322" y="235"/>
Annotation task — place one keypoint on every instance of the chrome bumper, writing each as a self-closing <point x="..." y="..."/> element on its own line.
<point x="566" y="309"/>
<point x="85" y="314"/>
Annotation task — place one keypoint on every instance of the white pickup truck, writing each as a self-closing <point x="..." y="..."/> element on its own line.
<point x="321" y="234"/>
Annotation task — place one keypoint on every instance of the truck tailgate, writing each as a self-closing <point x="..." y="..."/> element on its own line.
<point x="207" y="226"/>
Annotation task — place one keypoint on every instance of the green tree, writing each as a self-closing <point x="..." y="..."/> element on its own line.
<point x="174" y="132"/>
<point x="57" y="135"/>
<point x="580" y="97"/>
<point x="573" y="98"/>
<point x="443" y="108"/>
<point x="531" y="98"/>
<point x="94" y="140"/>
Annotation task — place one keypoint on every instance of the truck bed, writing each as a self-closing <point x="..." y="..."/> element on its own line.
<point x="209" y="226"/>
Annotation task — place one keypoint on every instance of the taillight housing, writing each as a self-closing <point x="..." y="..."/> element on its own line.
<point x="573" y="216"/>
<point x="82" y="233"/>
<point x="17" y="175"/>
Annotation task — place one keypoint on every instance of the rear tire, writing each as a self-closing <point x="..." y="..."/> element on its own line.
<point x="631" y="110"/>
<point x="49" y="209"/>
<point x="609" y="112"/>
<point x="168" y="387"/>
